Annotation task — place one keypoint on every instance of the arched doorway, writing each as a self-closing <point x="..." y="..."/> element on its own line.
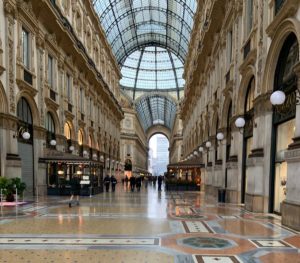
<point x="283" y="127"/>
<point x="25" y="146"/>
<point x="248" y="134"/>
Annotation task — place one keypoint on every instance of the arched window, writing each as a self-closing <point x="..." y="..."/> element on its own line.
<point x="90" y="141"/>
<point x="228" y="131"/>
<point x="80" y="137"/>
<point x="24" y="111"/>
<point x="249" y="112"/>
<point x="67" y="131"/>
<point x="25" y="120"/>
<point x="50" y="127"/>
<point x="80" y="142"/>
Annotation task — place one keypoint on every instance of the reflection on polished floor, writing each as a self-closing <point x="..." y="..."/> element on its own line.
<point x="149" y="226"/>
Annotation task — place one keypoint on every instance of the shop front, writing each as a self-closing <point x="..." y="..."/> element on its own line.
<point x="61" y="170"/>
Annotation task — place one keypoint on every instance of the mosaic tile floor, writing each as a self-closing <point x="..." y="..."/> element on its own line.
<point x="148" y="226"/>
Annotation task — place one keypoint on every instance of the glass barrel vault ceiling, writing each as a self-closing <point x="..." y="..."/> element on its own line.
<point x="150" y="40"/>
<point x="152" y="68"/>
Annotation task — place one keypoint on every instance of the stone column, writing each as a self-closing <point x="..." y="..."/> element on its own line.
<point x="258" y="163"/>
<point x="234" y="164"/>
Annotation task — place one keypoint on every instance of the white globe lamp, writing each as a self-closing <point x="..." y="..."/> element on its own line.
<point x="208" y="144"/>
<point x="240" y="122"/>
<point x="53" y="142"/>
<point x="220" y="136"/>
<point x="201" y="149"/>
<point x="71" y="148"/>
<point x="277" y="97"/>
<point x="26" y="135"/>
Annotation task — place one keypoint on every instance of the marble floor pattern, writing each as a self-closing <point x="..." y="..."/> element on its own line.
<point x="143" y="227"/>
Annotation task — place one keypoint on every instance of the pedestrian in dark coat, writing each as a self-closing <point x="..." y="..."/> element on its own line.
<point x="107" y="182"/>
<point x="132" y="183"/>
<point x="75" y="189"/>
<point x="113" y="183"/>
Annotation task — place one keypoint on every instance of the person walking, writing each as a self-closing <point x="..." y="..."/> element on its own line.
<point x="107" y="182"/>
<point x="113" y="183"/>
<point x="159" y="181"/>
<point x="75" y="189"/>
<point x="138" y="183"/>
<point x="132" y="183"/>
<point x="146" y="179"/>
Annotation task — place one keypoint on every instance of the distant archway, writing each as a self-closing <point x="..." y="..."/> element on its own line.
<point x="158" y="129"/>
<point x="158" y="155"/>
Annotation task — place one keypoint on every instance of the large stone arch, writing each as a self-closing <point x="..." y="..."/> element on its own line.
<point x="286" y="27"/>
<point x="33" y="107"/>
<point x="156" y="129"/>
<point x="242" y="93"/>
<point x="3" y="100"/>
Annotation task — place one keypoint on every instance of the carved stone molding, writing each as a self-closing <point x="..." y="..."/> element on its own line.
<point x="8" y="122"/>
<point x="262" y="104"/>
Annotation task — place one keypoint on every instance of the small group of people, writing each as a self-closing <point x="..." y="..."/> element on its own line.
<point x="135" y="182"/>
<point x="110" y="180"/>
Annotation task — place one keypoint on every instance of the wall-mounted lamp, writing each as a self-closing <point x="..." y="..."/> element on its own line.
<point x="95" y="156"/>
<point x="101" y="158"/>
<point x="195" y="153"/>
<point x="71" y="148"/>
<point x="23" y="132"/>
<point x="278" y="97"/>
<point x="208" y="144"/>
<point x="220" y="137"/>
<point x="53" y="142"/>
<point x="240" y="123"/>
<point x="85" y="154"/>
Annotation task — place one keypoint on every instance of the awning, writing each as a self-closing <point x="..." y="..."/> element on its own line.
<point x="59" y="157"/>
<point x="194" y="163"/>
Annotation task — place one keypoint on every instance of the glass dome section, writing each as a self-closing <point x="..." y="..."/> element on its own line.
<point x="132" y="24"/>
<point x="152" y="68"/>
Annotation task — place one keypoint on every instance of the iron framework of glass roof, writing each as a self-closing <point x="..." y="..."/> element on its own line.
<point x="152" y="68"/>
<point x="156" y="110"/>
<point x="150" y="39"/>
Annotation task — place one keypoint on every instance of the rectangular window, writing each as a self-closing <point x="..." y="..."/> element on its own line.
<point x="249" y="16"/>
<point x="81" y="100"/>
<point x="229" y="47"/>
<point x="91" y="108"/>
<point x="69" y="88"/>
<point x="50" y="71"/>
<point x="25" y="47"/>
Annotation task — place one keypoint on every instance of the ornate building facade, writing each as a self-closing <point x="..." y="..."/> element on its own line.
<point x="240" y="53"/>
<point x="59" y="92"/>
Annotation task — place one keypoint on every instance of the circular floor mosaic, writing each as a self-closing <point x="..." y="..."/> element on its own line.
<point x="206" y="242"/>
